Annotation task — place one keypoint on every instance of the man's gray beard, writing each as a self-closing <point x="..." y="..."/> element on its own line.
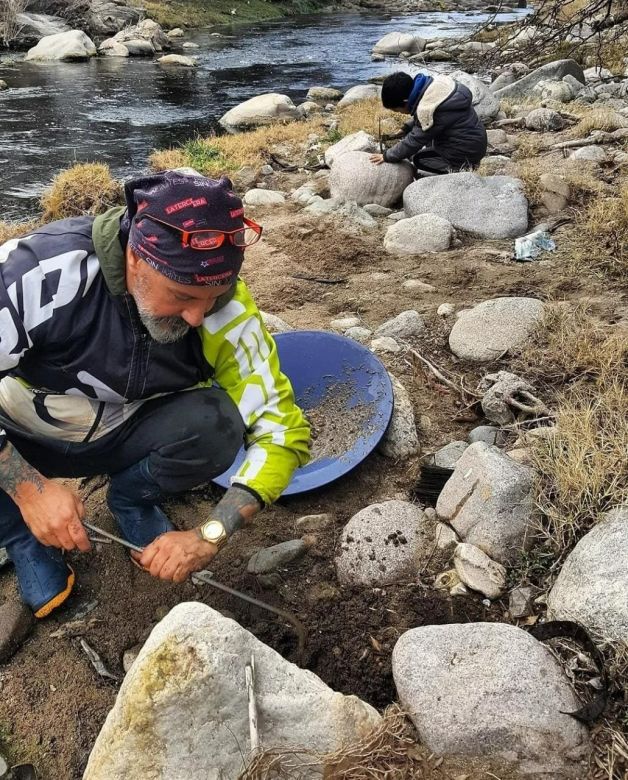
<point x="164" y="330"/>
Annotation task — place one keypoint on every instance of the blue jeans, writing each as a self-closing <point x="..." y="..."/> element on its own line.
<point x="169" y="445"/>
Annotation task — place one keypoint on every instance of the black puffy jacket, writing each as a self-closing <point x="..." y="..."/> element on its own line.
<point x="457" y="133"/>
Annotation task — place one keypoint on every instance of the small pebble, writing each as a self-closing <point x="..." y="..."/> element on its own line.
<point x="446" y="309"/>
<point x="279" y="555"/>
<point x="314" y="523"/>
<point x="416" y="284"/>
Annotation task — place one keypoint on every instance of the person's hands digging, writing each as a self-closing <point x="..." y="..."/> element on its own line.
<point x="175" y="555"/>
<point x="377" y="159"/>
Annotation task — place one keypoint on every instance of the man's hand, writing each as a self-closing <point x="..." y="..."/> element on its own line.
<point x="53" y="513"/>
<point x="377" y="159"/>
<point x="176" y="554"/>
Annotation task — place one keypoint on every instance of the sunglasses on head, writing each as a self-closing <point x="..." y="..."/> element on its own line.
<point x="207" y="239"/>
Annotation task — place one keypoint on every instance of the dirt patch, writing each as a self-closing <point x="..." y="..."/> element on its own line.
<point x="54" y="703"/>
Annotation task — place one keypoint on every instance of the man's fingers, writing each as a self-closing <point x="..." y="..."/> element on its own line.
<point x="146" y="558"/>
<point x="180" y="575"/>
<point x="78" y="535"/>
<point x="61" y="535"/>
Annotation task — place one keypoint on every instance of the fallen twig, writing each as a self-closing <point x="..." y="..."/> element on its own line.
<point x="461" y="390"/>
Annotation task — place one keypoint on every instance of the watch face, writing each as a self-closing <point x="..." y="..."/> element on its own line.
<point x="213" y="531"/>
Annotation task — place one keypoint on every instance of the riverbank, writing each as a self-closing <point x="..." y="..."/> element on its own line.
<point x="197" y="13"/>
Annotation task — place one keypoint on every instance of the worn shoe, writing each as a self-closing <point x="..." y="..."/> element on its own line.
<point x="44" y="578"/>
<point x="132" y="498"/>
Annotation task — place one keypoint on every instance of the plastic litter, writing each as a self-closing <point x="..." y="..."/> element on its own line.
<point x="528" y="248"/>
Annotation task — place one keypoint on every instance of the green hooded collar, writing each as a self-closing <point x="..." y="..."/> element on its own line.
<point x="106" y="238"/>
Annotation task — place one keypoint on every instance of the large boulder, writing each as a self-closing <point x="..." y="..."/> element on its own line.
<point x="260" y="110"/>
<point x="489" y="502"/>
<point x="485" y="206"/>
<point x="485" y="103"/>
<point x="361" y="92"/>
<point x="489" y="689"/>
<point x="551" y="71"/>
<point x="66" y="46"/>
<point x="356" y="142"/>
<point x="147" y="30"/>
<point x="420" y="234"/>
<point x="545" y="120"/>
<point x="108" y="17"/>
<point x="396" y="42"/>
<point x="491" y="328"/>
<point x="182" y="710"/>
<point x="355" y="178"/>
<point x="178" y="60"/>
<point x="33" y="27"/>
<point x="324" y="94"/>
<point x="385" y="543"/>
<point x="592" y="587"/>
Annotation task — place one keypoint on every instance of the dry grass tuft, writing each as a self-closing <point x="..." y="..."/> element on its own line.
<point x="571" y="346"/>
<point x="581" y="178"/>
<point x="599" y="119"/>
<point x="603" y="233"/>
<point x="529" y="145"/>
<point x="167" y="159"/>
<point x="86" y="188"/>
<point x="217" y="155"/>
<point x="9" y="230"/>
<point x="387" y="753"/>
<point x="583" y="468"/>
<point x="365" y="115"/>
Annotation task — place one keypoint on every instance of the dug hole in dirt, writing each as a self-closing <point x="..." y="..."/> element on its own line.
<point x="53" y="701"/>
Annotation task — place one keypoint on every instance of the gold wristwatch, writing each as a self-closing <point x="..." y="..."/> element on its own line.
<point x="213" y="531"/>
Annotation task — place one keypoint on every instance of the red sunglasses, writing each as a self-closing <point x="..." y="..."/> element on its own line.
<point x="208" y="239"/>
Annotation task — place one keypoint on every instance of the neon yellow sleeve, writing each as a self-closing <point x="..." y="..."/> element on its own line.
<point x="244" y="356"/>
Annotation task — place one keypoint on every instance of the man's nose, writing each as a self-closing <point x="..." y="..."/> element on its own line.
<point x="194" y="315"/>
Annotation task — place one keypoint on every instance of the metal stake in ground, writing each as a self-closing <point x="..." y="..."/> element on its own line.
<point x="205" y="579"/>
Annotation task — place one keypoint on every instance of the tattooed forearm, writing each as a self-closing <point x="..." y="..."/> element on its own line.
<point x="14" y="471"/>
<point x="236" y="508"/>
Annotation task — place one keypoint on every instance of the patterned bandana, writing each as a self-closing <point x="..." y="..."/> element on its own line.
<point x="163" y="206"/>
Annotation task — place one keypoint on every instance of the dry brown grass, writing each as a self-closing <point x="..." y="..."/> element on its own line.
<point x="571" y="346"/>
<point x="599" y="119"/>
<point x="9" y="230"/>
<point x="365" y="115"/>
<point x="580" y="175"/>
<point x="387" y="752"/>
<point x="583" y="468"/>
<point x="529" y="145"/>
<point x="167" y="159"/>
<point x="602" y="242"/>
<point x="86" y="188"/>
<point x="217" y="155"/>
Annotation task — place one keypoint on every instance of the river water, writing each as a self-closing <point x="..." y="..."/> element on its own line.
<point x="117" y="110"/>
